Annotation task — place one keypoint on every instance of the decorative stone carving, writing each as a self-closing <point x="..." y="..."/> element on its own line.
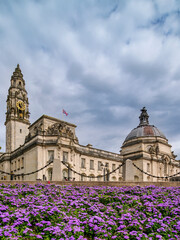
<point x="17" y="92"/>
<point x="157" y="150"/>
<point x="38" y="129"/>
<point x="174" y="156"/>
<point x="144" y="117"/>
<point x="60" y="129"/>
<point x="27" y="114"/>
<point x="166" y="159"/>
<point x="154" y="149"/>
<point x="55" y="129"/>
<point x="58" y="141"/>
<point x="24" y="97"/>
<point x="28" y="137"/>
<point x="12" y="110"/>
<point x="76" y="140"/>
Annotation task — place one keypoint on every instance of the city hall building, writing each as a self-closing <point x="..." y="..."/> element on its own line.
<point x="31" y="146"/>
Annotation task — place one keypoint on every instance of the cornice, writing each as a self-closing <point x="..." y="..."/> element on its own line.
<point x="17" y="120"/>
<point x="52" y="118"/>
<point x="35" y="141"/>
<point x="144" y="141"/>
<point x="19" y="88"/>
<point x="98" y="155"/>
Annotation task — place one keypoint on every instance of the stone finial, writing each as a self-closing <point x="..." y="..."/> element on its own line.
<point x="144" y="117"/>
<point x="17" y="72"/>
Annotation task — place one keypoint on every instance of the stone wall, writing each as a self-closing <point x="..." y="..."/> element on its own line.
<point x="91" y="183"/>
<point x="15" y="134"/>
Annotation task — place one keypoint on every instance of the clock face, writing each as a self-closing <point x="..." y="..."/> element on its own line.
<point x="21" y="105"/>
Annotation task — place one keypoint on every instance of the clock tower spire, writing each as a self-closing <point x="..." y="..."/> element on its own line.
<point x="17" y="115"/>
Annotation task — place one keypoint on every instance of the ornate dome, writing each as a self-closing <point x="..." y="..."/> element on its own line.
<point x="144" y="129"/>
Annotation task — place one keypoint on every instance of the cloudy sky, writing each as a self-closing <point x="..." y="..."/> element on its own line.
<point x="100" y="60"/>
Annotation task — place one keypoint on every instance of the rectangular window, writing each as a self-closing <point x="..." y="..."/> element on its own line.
<point x="107" y="165"/>
<point x="148" y="167"/>
<point x="22" y="163"/>
<point x="65" y="157"/>
<point x="18" y="164"/>
<point x="92" y="164"/>
<point x="50" y="155"/>
<point x="12" y="166"/>
<point x="83" y="163"/>
<point x="20" y="130"/>
<point x="120" y="170"/>
<point x="99" y="166"/>
<point x="113" y="167"/>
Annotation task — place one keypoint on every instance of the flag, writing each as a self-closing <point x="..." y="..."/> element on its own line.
<point x="65" y="112"/>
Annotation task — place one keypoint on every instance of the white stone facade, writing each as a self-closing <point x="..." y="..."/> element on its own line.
<point x="150" y="151"/>
<point x="30" y="147"/>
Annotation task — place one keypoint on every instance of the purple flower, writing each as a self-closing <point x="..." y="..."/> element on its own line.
<point x="39" y="237"/>
<point x="98" y="212"/>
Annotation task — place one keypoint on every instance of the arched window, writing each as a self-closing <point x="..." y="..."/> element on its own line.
<point x="114" y="178"/>
<point x="136" y="178"/>
<point x="148" y="167"/>
<point x="165" y="167"/>
<point x="91" y="177"/>
<point x="65" y="174"/>
<point x="120" y="179"/>
<point x="99" y="178"/>
<point x="160" y="172"/>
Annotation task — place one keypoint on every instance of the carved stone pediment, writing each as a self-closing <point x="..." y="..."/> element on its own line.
<point x="55" y="129"/>
<point x="60" y="129"/>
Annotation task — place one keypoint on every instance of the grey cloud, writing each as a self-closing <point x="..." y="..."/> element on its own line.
<point x="100" y="60"/>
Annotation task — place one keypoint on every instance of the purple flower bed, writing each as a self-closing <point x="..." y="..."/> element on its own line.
<point x="67" y="212"/>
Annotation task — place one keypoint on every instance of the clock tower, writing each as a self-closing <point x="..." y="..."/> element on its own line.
<point x="17" y="115"/>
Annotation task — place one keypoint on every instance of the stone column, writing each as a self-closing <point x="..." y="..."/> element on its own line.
<point x="128" y="173"/>
<point x="57" y="174"/>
